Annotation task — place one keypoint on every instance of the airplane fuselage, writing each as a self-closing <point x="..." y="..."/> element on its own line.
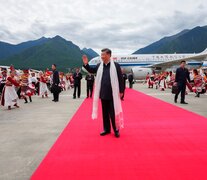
<point x="141" y="60"/>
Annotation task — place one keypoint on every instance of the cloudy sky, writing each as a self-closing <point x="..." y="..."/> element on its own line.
<point x="122" y="25"/>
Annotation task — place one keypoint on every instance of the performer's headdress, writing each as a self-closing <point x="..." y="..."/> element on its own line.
<point x="26" y="70"/>
<point x="4" y="70"/>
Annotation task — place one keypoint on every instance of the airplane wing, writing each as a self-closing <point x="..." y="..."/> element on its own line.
<point x="164" y="65"/>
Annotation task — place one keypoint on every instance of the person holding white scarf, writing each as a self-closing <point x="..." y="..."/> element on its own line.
<point x="109" y="87"/>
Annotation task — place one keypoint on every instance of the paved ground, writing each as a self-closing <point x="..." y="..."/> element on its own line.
<point x="197" y="105"/>
<point x="27" y="134"/>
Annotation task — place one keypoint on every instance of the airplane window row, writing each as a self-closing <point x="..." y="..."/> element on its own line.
<point x="136" y="59"/>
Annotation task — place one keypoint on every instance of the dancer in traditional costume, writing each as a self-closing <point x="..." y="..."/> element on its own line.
<point x="71" y="80"/>
<point x="62" y="82"/>
<point x="26" y="90"/>
<point x="9" y="95"/>
<point x="151" y="80"/>
<point x="205" y="81"/>
<point x="198" y="83"/>
<point x="43" y="90"/>
<point x="170" y="79"/>
<point x="33" y="80"/>
<point x="162" y="82"/>
<point x="67" y="82"/>
<point x="48" y="74"/>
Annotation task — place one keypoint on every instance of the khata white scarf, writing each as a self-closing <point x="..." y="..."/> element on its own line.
<point x="115" y="91"/>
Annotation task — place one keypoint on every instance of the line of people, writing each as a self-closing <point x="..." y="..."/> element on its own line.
<point x="23" y="85"/>
<point x="195" y="80"/>
<point x="90" y="79"/>
<point x="16" y="85"/>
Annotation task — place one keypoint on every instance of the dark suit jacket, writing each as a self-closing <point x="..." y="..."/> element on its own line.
<point x="55" y="79"/>
<point x="124" y="79"/>
<point x="90" y="80"/>
<point x="77" y="78"/>
<point x="182" y="75"/>
<point x="106" y="88"/>
<point x="130" y="78"/>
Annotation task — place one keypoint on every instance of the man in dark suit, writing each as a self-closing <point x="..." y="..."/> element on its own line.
<point x="131" y="80"/>
<point x="124" y="82"/>
<point x="77" y="76"/>
<point x="89" y="85"/>
<point x="181" y="77"/>
<point x="106" y="95"/>
<point x="55" y="84"/>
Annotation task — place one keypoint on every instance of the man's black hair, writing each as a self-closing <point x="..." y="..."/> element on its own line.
<point x="183" y="61"/>
<point x="55" y="65"/>
<point x="107" y="51"/>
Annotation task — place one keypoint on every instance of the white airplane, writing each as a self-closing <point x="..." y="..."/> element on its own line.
<point x="142" y="64"/>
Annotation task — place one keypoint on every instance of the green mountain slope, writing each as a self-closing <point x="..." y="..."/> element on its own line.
<point x="56" y="50"/>
<point x="187" y="41"/>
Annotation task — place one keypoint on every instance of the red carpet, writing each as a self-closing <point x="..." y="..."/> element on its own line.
<point x="160" y="141"/>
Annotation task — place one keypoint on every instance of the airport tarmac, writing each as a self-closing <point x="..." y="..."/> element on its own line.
<point x="27" y="133"/>
<point x="196" y="105"/>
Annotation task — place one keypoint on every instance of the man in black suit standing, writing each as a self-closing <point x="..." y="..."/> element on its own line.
<point x="77" y="76"/>
<point x="124" y="81"/>
<point x="89" y="84"/>
<point x="181" y="77"/>
<point x="131" y="80"/>
<point x="55" y="84"/>
<point x="106" y="89"/>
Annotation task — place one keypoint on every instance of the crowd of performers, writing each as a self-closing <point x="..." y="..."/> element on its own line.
<point x="25" y="84"/>
<point x="16" y="85"/>
<point x="163" y="80"/>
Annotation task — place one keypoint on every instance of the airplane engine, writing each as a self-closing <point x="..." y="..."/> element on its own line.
<point x="140" y="73"/>
<point x="204" y="64"/>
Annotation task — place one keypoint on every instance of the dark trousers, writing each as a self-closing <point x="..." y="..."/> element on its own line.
<point x="1" y="88"/>
<point x="131" y="85"/>
<point x="19" y="93"/>
<point x="123" y="94"/>
<point x="77" y="86"/>
<point x="89" y="90"/>
<point x="56" y="96"/>
<point x="108" y="115"/>
<point x="181" y="88"/>
<point x="56" y="92"/>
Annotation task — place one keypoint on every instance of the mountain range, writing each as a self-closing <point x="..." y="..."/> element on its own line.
<point x="41" y="53"/>
<point x="187" y="41"/>
<point x="7" y="50"/>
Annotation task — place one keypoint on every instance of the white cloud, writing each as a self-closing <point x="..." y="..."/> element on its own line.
<point x="124" y="26"/>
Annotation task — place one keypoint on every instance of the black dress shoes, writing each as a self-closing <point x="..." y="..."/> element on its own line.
<point x="183" y="103"/>
<point x="104" y="133"/>
<point x="117" y="134"/>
